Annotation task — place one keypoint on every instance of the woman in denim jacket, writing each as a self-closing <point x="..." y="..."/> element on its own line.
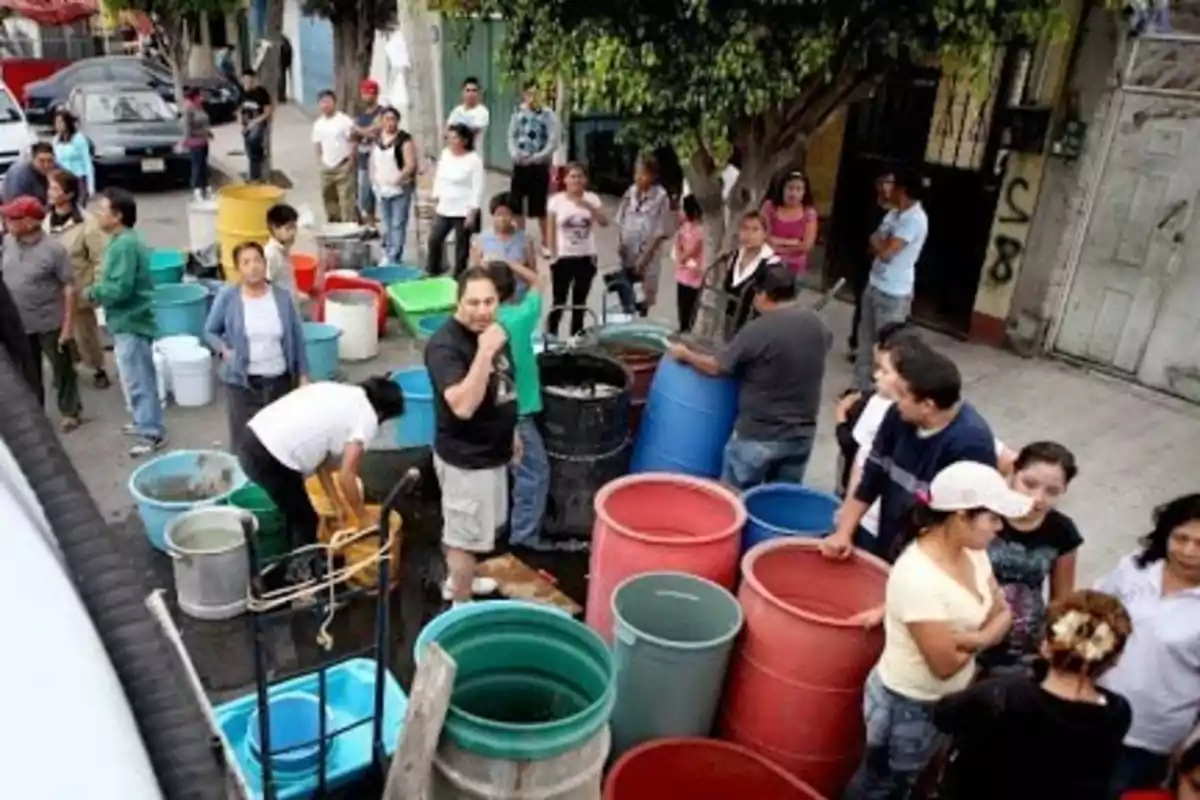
<point x="255" y="329"/>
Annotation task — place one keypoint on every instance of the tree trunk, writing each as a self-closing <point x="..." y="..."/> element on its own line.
<point x="269" y="72"/>
<point x="424" y="121"/>
<point x="351" y="67"/>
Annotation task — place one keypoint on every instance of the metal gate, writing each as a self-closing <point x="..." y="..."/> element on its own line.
<point x="945" y="127"/>
<point x="1132" y="303"/>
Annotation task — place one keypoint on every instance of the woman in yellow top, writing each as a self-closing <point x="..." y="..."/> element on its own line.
<point x="85" y="242"/>
<point x="942" y="606"/>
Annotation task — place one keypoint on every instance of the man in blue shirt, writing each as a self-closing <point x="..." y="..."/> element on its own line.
<point x="896" y="247"/>
<point x="928" y="428"/>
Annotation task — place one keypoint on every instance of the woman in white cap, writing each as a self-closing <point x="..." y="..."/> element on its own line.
<point x="942" y="606"/>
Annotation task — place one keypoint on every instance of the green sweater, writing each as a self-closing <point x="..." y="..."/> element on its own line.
<point x="125" y="289"/>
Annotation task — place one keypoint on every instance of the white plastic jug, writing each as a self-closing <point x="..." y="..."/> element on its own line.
<point x="192" y="380"/>
<point x="353" y="312"/>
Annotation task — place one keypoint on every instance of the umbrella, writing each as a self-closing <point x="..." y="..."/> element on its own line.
<point x="52" y="12"/>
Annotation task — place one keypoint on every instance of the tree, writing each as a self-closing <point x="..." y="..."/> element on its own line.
<point x="354" y="24"/>
<point x="712" y="77"/>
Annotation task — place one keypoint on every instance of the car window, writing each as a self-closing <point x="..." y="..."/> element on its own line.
<point x="8" y="107"/>
<point x="90" y="73"/>
<point x="125" y="107"/>
<point x="128" y="73"/>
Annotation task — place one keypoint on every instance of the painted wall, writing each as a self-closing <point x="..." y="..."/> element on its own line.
<point x="312" y="61"/>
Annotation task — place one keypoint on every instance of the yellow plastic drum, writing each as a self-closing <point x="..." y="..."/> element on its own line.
<point x="242" y="217"/>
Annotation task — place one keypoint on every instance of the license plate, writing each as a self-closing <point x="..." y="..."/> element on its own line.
<point x="154" y="165"/>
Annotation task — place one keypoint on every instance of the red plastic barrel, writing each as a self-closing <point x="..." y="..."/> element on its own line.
<point x="304" y="269"/>
<point x="795" y="687"/>
<point x="700" y="769"/>
<point x="337" y="282"/>
<point x="658" y="522"/>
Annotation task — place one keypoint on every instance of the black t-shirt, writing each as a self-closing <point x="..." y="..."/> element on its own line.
<point x="1022" y="562"/>
<point x="254" y="102"/>
<point x="779" y="360"/>
<point x="485" y="440"/>
<point x="1011" y="739"/>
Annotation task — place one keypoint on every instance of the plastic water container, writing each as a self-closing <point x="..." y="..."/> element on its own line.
<point x="164" y="347"/>
<point x="304" y="271"/>
<point x="387" y="274"/>
<point x="175" y="482"/>
<point x="417" y="425"/>
<point x="166" y="266"/>
<point x="428" y="326"/>
<point x="192" y="380"/>
<point x="202" y="225"/>
<point x="321" y="348"/>
<point x="180" y="308"/>
<point x="294" y="726"/>
<point x="353" y="312"/>
<point x="787" y="509"/>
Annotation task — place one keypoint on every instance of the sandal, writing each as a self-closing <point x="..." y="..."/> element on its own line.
<point x="69" y="424"/>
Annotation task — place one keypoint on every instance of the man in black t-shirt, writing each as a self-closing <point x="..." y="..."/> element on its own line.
<point x="475" y="403"/>
<point x="255" y="111"/>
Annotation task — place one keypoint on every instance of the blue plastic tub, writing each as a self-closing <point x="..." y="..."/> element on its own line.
<point x="295" y="730"/>
<point x="179" y="481"/>
<point x="428" y="326"/>
<point x="787" y="509"/>
<point x="180" y="308"/>
<point x="416" y="427"/>
<point x="166" y="266"/>
<point x="350" y="694"/>
<point x="387" y="274"/>
<point x="321" y="347"/>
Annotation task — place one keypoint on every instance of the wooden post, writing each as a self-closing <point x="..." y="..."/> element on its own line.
<point x="410" y="776"/>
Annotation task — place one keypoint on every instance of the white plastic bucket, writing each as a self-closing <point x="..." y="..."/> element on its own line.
<point x="202" y="225"/>
<point x="181" y="343"/>
<point x="192" y="378"/>
<point x="353" y="312"/>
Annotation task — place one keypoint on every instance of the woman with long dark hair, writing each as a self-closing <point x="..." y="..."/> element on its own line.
<point x="73" y="152"/>
<point x="792" y="223"/>
<point x="942" y="606"/>
<point x="1160" y="672"/>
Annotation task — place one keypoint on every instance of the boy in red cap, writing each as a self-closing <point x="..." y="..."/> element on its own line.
<point x="366" y="134"/>
<point x="40" y="278"/>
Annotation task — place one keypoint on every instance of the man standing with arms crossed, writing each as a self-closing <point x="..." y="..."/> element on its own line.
<point x="471" y="368"/>
<point x="532" y="139"/>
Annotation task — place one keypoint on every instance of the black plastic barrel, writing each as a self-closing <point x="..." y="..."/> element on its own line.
<point x="574" y="481"/>
<point x="585" y="402"/>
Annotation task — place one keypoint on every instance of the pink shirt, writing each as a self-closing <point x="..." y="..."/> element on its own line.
<point x="689" y="239"/>
<point x="790" y="229"/>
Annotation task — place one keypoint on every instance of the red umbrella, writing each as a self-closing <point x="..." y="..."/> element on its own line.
<point x="52" y="12"/>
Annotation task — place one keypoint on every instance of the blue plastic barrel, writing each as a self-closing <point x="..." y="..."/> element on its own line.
<point x="416" y="427"/>
<point x="321" y="348"/>
<point x="166" y="266"/>
<point x="180" y="308"/>
<point x="787" y="509"/>
<point x="387" y="274"/>
<point x="688" y="419"/>
<point x="179" y="481"/>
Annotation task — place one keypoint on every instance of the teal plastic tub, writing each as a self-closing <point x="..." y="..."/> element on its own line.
<point x="532" y="682"/>
<point x="180" y="308"/>
<point x="673" y="635"/>
<point x="180" y="481"/>
<point x="387" y="274"/>
<point x="167" y="266"/>
<point x="428" y="326"/>
<point x="414" y="300"/>
<point x="321" y="348"/>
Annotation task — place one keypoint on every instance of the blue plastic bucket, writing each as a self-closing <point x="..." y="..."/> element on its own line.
<point x="166" y="266"/>
<point x="416" y="427"/>
<point x="428" y="326"/>
<point x="787" y="509"/>
<point x="387" y="274"/>
<point x="180" y="308"/>
<point x="179" y="481"/>
<point x="321" y="348"/>
<point x="294" y="723"/>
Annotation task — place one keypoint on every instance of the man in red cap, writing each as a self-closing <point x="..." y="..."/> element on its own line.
<point x="366" y="134"/>
<point x="40" y="278"/>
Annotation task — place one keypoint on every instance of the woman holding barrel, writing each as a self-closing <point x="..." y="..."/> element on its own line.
<point x="255" y="329"/>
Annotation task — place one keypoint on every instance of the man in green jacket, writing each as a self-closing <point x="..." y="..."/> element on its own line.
<point x="126" y="293"/>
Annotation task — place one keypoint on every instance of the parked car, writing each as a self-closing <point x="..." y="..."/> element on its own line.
<point x="134" y="133"/>
<point x="221" y="97"/>
<point x="15" y="134"/>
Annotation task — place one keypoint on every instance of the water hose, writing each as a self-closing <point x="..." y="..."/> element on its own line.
<point x="169" y="717"/>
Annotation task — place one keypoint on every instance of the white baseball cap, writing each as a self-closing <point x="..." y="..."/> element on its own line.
<point x="968" y="484"/>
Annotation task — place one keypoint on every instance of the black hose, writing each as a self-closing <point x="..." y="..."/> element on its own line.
<point x="172" y="724"/>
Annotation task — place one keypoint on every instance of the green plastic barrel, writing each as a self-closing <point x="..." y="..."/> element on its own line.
<point x="673" y="634"/>
<point x="271" y="537"/>
<point x="530" y="686"/>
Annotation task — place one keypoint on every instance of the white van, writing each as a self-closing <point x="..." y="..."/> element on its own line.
<point x="16" y="136"/>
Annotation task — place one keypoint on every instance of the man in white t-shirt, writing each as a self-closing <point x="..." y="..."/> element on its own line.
<point x="472" y="112"/>
<point x="331" y="137"/>
<point x="315" y="430"/>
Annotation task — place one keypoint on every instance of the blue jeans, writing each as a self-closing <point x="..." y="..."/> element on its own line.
<point x="901" y="738"/>
<point x="531" y="485"/>
<point x="748" y="463"/>
<point x="256" y="152"/>
<point x="1138" y="769"/>
<point x="199" y="159"/>
<point x="393" y="218"/>
<point x="622" y="284"/>
<point x="366" y="192"/>
<point x="135" y="362"/>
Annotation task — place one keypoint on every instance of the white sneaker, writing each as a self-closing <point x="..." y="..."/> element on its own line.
<point x="480" y="587"/>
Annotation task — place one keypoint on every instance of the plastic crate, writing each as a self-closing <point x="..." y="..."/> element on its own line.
<point x="422" y="298"/>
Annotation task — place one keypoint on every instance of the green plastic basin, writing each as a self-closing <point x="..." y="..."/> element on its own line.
<point x="253" y="498"/>
<point x="530" y="685"/>
<point x="413" y="300"/>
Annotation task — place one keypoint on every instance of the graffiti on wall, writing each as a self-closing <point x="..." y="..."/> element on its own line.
<point x="1014" y="210"/>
